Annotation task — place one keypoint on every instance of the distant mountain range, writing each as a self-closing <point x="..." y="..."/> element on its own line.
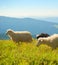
<point x="33" y="25"/>
<point x="51" y="19"/>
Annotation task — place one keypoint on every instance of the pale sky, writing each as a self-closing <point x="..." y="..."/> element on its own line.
<point x="29" y="8"/>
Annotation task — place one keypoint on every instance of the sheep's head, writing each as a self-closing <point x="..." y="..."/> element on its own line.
<point x="40" y="41"/>
<point x="9" y="32"/>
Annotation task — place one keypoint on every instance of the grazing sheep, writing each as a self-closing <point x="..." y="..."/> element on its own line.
<point x="51" y="41"/>
<point x="19" y="36"/>
<point x="42" y="35"/>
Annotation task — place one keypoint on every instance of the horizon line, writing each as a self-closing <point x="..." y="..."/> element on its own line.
<point x="28" y="16"/>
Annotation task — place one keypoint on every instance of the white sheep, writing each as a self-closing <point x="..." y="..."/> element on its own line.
<point x="19" y="36"/>
<point x="51" y="41"/>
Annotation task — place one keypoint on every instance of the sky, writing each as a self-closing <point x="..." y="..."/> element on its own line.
<point x="29" y="8"/>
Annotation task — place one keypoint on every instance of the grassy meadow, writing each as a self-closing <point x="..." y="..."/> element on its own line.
<point x="26" y="54"/>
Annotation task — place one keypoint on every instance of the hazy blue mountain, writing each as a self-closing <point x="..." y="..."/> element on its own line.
<point x="51" y="19"/>
<point x="29" y="24"/>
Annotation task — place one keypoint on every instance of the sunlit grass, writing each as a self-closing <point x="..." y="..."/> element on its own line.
<point x="26" y="53"/>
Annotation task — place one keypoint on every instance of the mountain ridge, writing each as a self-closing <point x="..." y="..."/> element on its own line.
<point x="51" y="19"/>
<point x="25" y="24"/>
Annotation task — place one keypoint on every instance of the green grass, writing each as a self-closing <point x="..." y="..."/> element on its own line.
<point x="26" y="54"/>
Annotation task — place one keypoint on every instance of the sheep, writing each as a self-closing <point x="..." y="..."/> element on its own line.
<point x="19" y="36"/>
<point x="42" y="35"/>
<point x="51" y="41"/>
